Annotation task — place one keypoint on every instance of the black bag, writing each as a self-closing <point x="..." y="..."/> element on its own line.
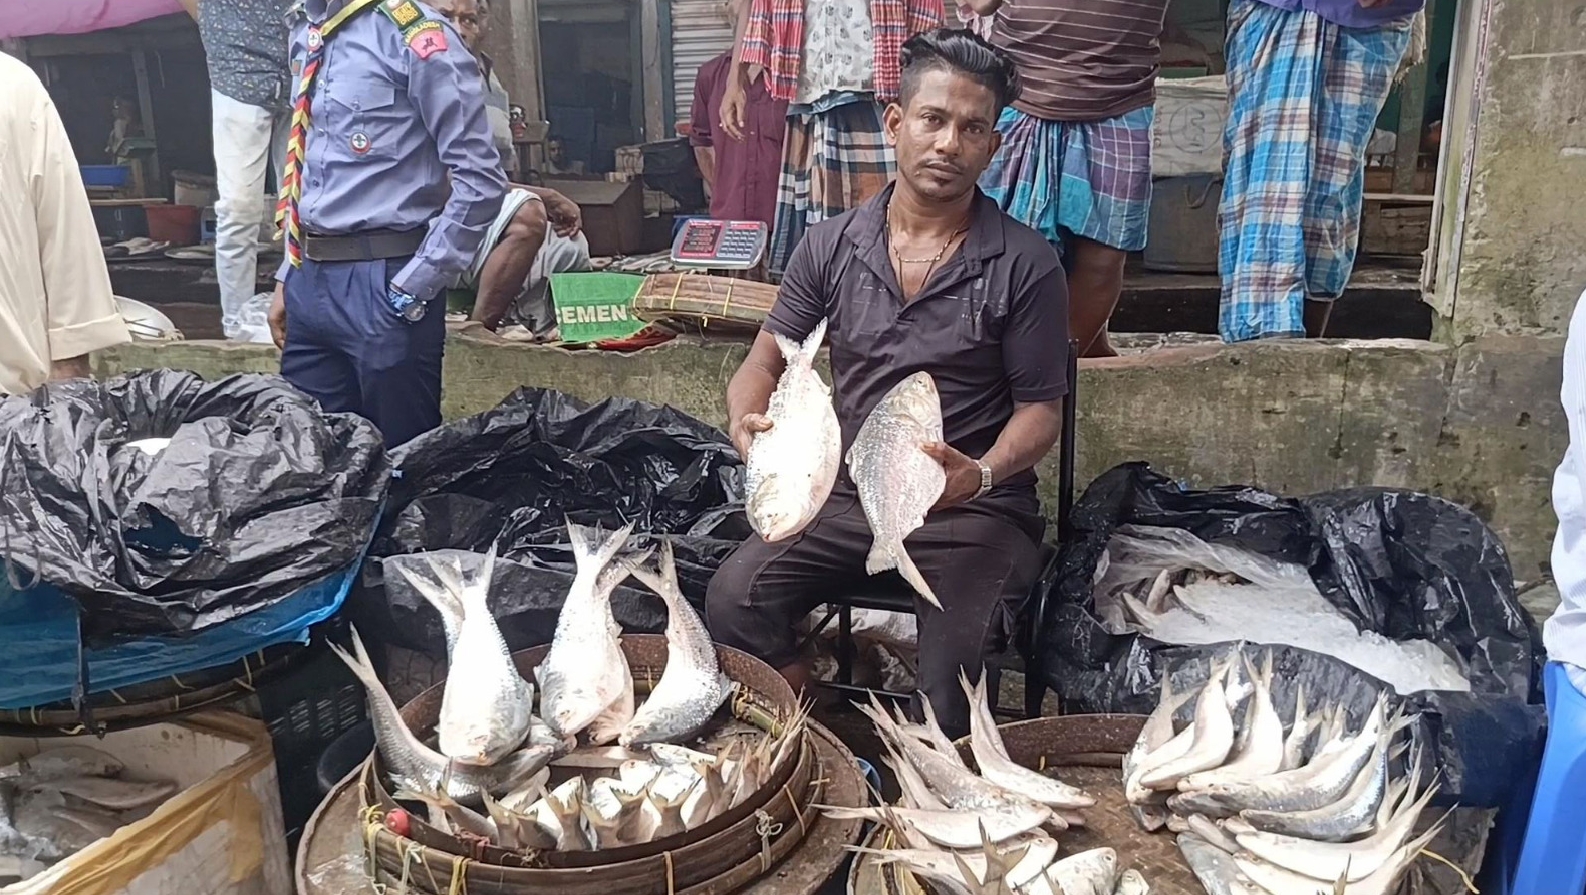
<point x="258" y="494"/>
<point x="1399" y="563"/>
<point x="514" y="474"/>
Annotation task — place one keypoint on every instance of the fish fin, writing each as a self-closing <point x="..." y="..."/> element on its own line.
<point x="358" y="662"/>
<point x="476" y="595"/>
<point x="1299" y="702"/>
<point x="905" y="566"/>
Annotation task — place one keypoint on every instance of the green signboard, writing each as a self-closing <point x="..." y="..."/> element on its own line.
<point x="591" y="307"/>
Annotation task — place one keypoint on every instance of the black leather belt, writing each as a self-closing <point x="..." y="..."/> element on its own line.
<point x="373" y="245"/>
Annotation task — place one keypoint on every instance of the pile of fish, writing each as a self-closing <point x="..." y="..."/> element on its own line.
<point x="1260" y="809"/>
<point x="60" y="801"/>
<point x="488" y="774"/>
<point x="988" y="831"/>
<point x="1175" y="588"/>
<point x="794" y="464"/>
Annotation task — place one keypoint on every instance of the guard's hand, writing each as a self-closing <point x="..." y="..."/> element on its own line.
<point x="564" y="214"/>
<point x="963" y="474"/>
<point x="744" y="429"/>
<point x="732" y="109"/>
<point x="278" y="316"/>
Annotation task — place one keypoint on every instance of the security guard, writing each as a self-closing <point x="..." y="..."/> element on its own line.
<point x="389" y="103"/>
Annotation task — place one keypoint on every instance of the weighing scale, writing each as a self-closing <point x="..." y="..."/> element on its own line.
<point x="720" y="245"/>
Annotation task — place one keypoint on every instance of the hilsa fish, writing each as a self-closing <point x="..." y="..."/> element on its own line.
<point x="585" y="670"/>
<point x="486" y="704"/>
<point x="692" y="686"/>
<point x="898" y="482"/>
<point x="793" y="465"/>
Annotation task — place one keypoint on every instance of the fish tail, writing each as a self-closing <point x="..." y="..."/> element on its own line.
<point x="911" y="574"/>
<point x="589" y="551"/>
<point x="358" y="662"/>
<point x="812" y="343"/>
<point x="663" y="578"/>
<point x="441" y="598"/>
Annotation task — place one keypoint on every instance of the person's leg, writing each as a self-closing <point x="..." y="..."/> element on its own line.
<point x="314" y="360"/>
<point x="983" y="566"/>
<point x="1105" y="206"/>
<point x="857" y="160"/>
<point x="399" y="363"/>
<point x="1358" y="65"/>
<point x="506" y="269"/>
<point x="1095" y="280"/>
<point x="792" y="196"/>
<point x="1273" y="79"/>
<point x="242" y="149"/>
<point x="760" y="593"/>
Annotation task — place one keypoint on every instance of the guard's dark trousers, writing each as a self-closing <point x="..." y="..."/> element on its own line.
<point x="346" y="348"/>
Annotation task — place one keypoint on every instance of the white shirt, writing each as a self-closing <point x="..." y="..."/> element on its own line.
<point x="55" y="298"/>
<point x="1564" y="635"/>
<point x="839" y="56"/>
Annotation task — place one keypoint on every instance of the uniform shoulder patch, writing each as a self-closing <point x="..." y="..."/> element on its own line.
<point x="426" y="39"/>
<point x="404" y="12"/>
<point x="423" y="35"/>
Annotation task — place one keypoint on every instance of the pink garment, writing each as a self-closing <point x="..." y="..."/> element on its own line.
<point x="24" y="18"/>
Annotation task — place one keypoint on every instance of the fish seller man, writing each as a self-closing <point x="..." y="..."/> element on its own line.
<point x="929" y="275"/>
<point x="391" y="181"/>
<point x="536" y="233"/>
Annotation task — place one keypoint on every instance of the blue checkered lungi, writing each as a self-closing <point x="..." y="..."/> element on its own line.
<point x="1303" y="98"/>
<point x="1075" y="178"/>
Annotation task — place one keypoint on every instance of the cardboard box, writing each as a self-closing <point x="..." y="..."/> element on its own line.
<point x="613" y="214"/>
<point x="221" y="834"/>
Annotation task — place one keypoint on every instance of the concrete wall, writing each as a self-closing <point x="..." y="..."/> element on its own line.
<point x="1519" y="250"/>
<point x="1467" y="423"/>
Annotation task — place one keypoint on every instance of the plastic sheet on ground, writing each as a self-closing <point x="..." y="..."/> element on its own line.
<point x="257" y="496"/>
<point x="513" y="474"/>
<point x="1402" y="564"/>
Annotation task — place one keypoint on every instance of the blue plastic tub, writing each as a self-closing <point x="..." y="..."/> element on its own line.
<point x="113" y="176"/>
<point x="39" y="627"/>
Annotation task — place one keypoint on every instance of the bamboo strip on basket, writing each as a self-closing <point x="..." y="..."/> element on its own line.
<point x="431" y="870"/>
<point x="708" y="302"/>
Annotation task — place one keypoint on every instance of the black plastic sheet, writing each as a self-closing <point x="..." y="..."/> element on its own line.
<point x="1400" y="563"/>
<point x="513" y="474"/>
<point x="258" y="494"/>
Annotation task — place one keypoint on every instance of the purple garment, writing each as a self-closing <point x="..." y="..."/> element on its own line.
<point x="399" y="142"/>
<point x="1350" y="14"/>
<point x="31" y="19"/>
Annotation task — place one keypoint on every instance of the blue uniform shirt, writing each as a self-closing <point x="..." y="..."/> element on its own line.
<point x="386" y="127"/>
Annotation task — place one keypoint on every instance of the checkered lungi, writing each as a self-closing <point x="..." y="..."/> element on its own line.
<point x="1079" y="178"/>
<point x="1303" y="98"/>
<point x="832" y="162"/>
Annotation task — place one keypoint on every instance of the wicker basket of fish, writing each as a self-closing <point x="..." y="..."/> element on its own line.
<point x="710" y="774"/>
<point x="1320" y="803"/>
<point x="698" y="302"/>
<point x="987" y="816"/>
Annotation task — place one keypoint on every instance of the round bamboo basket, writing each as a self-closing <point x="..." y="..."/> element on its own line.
<point x="332" y="858"/>
<point x="755" y="833"/>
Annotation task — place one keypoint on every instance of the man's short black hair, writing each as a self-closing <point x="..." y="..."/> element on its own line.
<point x="960" y="52"/>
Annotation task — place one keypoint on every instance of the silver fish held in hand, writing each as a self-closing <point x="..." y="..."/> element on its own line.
<point x="793" y="465"/>
<point x="898" y="482"/>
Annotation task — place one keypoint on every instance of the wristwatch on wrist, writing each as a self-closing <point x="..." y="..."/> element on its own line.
<point x="404" y="305"/>
<point x="985" y="480"/>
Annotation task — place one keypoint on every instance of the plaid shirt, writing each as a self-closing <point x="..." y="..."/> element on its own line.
<point x="775" y="40"/>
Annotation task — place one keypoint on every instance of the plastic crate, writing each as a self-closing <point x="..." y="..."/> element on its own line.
<point x="305" y="711"/>
<point x="113" y="176"/>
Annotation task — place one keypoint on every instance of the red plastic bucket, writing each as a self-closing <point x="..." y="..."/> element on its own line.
<point x="176" y="224"/>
